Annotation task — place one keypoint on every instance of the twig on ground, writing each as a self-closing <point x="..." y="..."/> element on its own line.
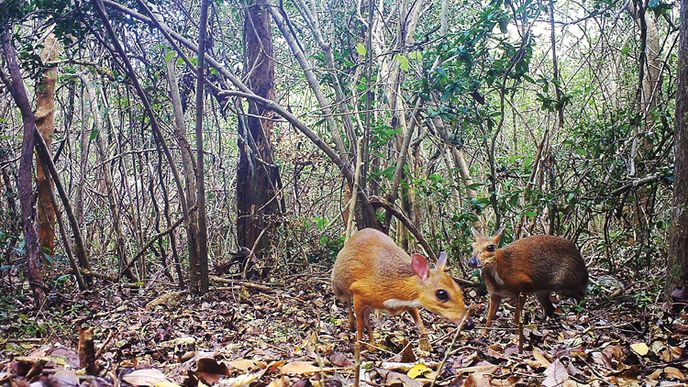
<point x="448" y="351"/>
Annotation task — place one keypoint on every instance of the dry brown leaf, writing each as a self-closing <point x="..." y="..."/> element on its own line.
<point x="477" y="380"/>
<point x="674" y="373"/>
<point x="402" y="367"/>
<point x="487" y="369"/>
<point x="602" y="360"/>
<point x="672" y="354"/>
<point x="247" y="364"/>
<point x="544" y="363"/>
<point x="64" y="378"/>
<point x="392" y="378"/>
<point x="407" y="355"/>
<point x="655" y="375"/>
<point x="281" y="382"/>
<point x="210" y="371"/>
<point x="241" y="381"/>
<point x="340" y="360"/>
<point x="303" y="383"/>
<point x="274" y="366"/>
<point x="555" y="375"/>
<point x="170" y="299"/>
<point x="617" y="353"/>
<point x="299" y="368"/>
<point x="511" y="381"/>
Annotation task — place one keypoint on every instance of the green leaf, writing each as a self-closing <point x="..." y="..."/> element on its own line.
<point x="403" y="62"/>
<point x="361" y="49"/>
<point x="94" y="134"/>
<point x="169" y="55"/>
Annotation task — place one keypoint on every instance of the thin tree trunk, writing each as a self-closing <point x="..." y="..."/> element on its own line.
<point x="202" y="232"/>
<point x="27" y="198"/>
<point x="677" y="265"/>
<point x="548" y="160"/>
<point x="188" y="163"/>
<point x="45" y="122"/>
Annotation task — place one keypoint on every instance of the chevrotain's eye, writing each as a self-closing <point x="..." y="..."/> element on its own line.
<point x="442" y="295"/>
<point x="490" y="248"/>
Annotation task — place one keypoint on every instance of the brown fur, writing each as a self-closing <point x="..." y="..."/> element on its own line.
<point x="371" y="269"/>
<point x="538" y="264"/>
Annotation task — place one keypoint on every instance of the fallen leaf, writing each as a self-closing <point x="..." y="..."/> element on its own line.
<point x="210" y="371"/>
<point x="299" y="368"/>
<point x="640" y="348"/>
<point x="476" y="380"/>
<point x="672" y="354"/>
<point x="511" y="381"/>
<point x="555" y="375"/>
<point x="303" y="383"/>
<point x="247" y="364"/>
<point x="544" y="363"/>
<point x="487" y="369"/>
<point x="240" y="381"/>
<point x="655" y="375"/>
<point x="64" y="378"/>
<point x="169" y="299"/>
<point x="340" y="360"/>
<point x="674" y="373"/>
<point x="418" y="370"/>
<point x="281" y="382"/>
<point x="407" y="355"/>
<point x="401" y="367"/>
<point x="395" y="378"/>
<point x="274" y="366"/>
<point x="146" y="377"/>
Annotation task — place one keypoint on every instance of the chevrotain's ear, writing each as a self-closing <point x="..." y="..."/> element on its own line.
<point x="476" y="233"/>
<point x="420" y="266"/>
<point x="441" y="261"/>
<point x="498" y="235"/>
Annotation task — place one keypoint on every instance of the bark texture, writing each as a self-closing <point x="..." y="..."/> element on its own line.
<point x="201" y="264"/>
<point x="677" y="269"/>
<point x="258" y="181"/>
<point x="45" y="122"/>
<point x="27" y="197"/>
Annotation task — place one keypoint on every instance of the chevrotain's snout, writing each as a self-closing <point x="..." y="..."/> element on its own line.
<point x="473" y="262"/>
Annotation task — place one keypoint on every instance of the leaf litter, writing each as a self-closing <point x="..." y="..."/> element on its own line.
<point x="293" y="334"/>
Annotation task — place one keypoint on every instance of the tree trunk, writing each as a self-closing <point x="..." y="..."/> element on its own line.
<point x="45" y="121"/>
<point x="27" y="198"/>
<point x="188" y="163"/>
<point x="677" y="265"/>
<point x="258" y="181"/>
<point x="201" y="267"/>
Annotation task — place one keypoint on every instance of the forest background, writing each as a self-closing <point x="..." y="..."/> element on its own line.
<point x="165" y="158"/>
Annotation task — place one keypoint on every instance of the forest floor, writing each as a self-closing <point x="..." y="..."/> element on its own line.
<point x="293" y="333"/>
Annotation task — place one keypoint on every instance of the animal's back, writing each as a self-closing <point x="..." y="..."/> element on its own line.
<point x="368" y="256"/>
<point x="551" y="261"/>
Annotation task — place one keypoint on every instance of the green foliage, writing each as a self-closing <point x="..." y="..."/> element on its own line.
<point x="474" y="65"/>
<point x="660" y="8"/>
